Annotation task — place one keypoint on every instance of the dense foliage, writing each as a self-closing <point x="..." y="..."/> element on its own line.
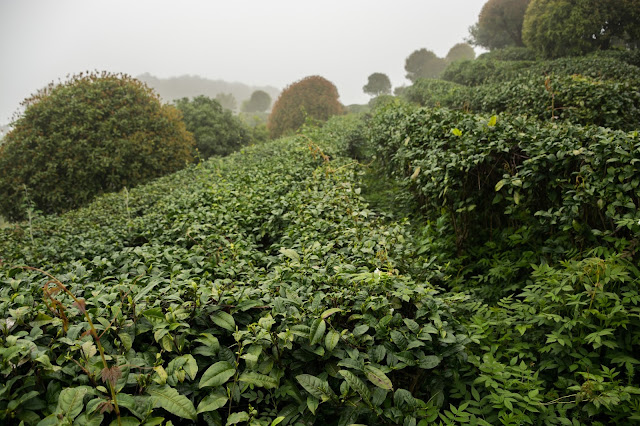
<point x="574" y="98"/>
<point x="499" y="24"/>
<point x="91" y="134"/>
<point x="377" y="84"/>
<point x="259" y="101"/>
<point x="460" y="52"/>
<point x="314" y="97"/>
<point x="423" y="63"/>
<point x="555" y="28"/>
<point x="215" y="129"/>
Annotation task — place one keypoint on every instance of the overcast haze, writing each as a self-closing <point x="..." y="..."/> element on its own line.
<point x="257" y="42"/>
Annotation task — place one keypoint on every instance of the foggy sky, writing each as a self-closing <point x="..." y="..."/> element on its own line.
<point x="257" y="42"/>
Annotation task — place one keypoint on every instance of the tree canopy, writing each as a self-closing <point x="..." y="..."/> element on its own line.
<point x="499" y="24"/>
<point x="259" y="101"/>
<point x="378" y="84"/>
<point x="91" y="134"/>
<point x="313" y="96"/>
<point x="424" y="63"/>
<point x="227" y="100"/>
<point x="460" y="52"/>
<point x="555" y="28"/>
<point x="215" y="129"/>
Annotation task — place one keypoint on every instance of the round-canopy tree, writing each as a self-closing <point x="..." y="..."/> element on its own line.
<point x="424" y="63"/>
<point x="259" y="101"/>
<point x="94" y="133"/>
<point x="555" y="28"/>
<point x="215" y="129"/>
<point x="313" y="96"/>
<point x="378" y="84"/>
<point x="499" y="24"/>
<point x="460" y="52"/>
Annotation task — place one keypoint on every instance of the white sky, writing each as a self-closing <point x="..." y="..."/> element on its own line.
<point x="257" y="42"/>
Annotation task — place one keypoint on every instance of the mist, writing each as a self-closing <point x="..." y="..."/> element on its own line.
<point x="255" y="43"/>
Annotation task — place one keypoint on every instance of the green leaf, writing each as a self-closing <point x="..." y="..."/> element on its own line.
<point x="492" y="121"/>
<point x="456" y="131"/>
<point x="70" y="401"/>
<point x="500" y="184"/>
<point x="291" y="254"/>
<point x="315" y="386"/>
<point x="259" y="380"/>
<point x="317" y="331"/>
<point x="331" y="340"/>
<point x="224" y="320"/>
<point x="277" y="420"/>
<point x="429" y="362"/>
<point x="217" y="374"/>
<point x="212" y="402"/>
<point x="330" y="312"/>
<point x="356" y="384"/>
<point x="377" y="377"/>
<point x="235" y="418"/>
<point x="191" y="366"/>
<point x="169" y="399"/>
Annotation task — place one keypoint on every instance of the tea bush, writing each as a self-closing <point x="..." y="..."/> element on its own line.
<point x="216" y="130"/>
<point x="92" y="134"/>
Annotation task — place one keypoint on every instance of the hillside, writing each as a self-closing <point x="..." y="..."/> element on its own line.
<point x="190" y="86"/>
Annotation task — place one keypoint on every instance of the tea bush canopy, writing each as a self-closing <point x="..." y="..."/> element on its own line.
<point x="215" y="129"/>
<point x="499" y="24"/>
<point x="314" y="97"/>
<point x="377" y="84"/>
<point x="94" y="133"/>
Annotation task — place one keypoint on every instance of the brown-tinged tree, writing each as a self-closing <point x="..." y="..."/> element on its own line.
<point x="313" y="96"/>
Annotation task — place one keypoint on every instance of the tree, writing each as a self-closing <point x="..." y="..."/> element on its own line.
<point x="555" y="28"/>
<point x="499" y="24"/>
<point x="215" y="129"/>
<point x="378" y="84"/>
<point x="313" y="96"/>
<point x="259" y="101"/>
<point x="92" y="134"/>
<point x="460" y="52"/>
<point x="424" y="63"/>
<point x="227" y="100"/>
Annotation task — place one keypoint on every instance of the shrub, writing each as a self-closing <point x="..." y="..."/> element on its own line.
<point x="481" y="71"/>
<point x="431" y="93"/>
<point x="94" y="133"/>
<point x="581" y="100"/>
<point x="512" y="53"/>
<point x="314" y="97"/>
<point x="215" y="129"/>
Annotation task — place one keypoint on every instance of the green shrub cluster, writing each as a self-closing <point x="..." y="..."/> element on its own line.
<point x="489" y="70"/>
<point x="538" y="223"/>
<point x="216" y="130"/>
<point x="578" y="99"/>
<point x="92" y="134"/>
<point x="257" y="288"/>
<point x="432" y="93"/>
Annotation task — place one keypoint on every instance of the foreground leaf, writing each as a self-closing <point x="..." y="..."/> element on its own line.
<point x="168" y="398"/>
<point x="217" y="374"/>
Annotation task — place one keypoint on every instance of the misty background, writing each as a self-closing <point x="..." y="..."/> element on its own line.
<point x="230" y="47"/>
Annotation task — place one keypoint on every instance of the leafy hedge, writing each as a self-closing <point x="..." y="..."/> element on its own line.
<point x="259" y="288"/>
<point x="544" y="219"/>
<point x="550" y="186"/>
<point x="486" y="71"/>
